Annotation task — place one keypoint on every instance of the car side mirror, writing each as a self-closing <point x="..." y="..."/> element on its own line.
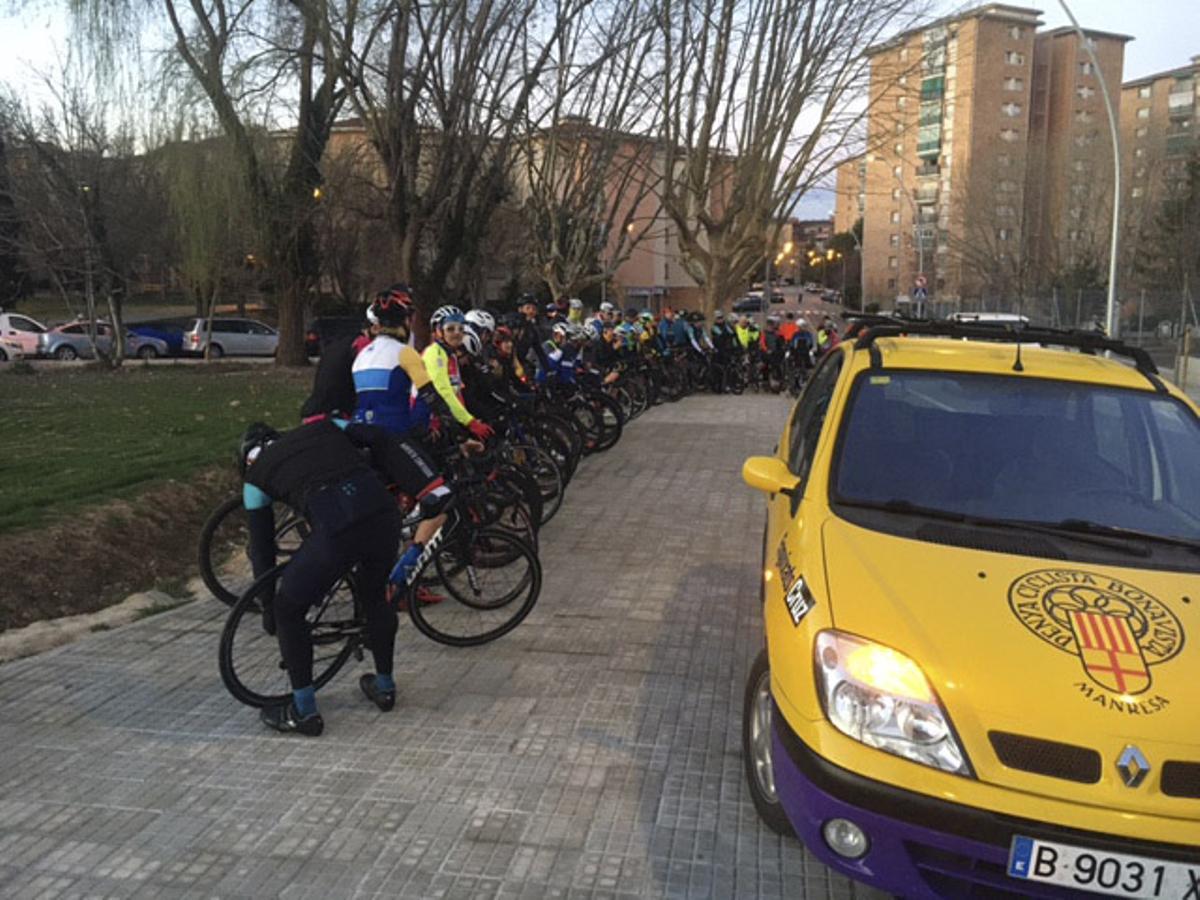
<point x="769" y="474"/>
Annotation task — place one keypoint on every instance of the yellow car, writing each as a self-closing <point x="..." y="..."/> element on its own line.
<point x="980" y="577"/>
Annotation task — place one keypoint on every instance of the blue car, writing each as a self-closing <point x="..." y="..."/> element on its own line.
<point x="170" y="331"/>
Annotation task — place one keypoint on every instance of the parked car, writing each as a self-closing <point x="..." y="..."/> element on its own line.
<point x="979" y="568"/>
<point x="230" y="337"/>
<point x="754" y="303"/>
<point x="70" y="341"/>
<point x="169" y="331"/>
<point x="831" y="296"/>
<point x="22" y="330"/>
<point x="324" y="329"/>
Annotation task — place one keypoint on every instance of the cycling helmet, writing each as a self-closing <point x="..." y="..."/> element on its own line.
<point x="719" y="316"/>
<point x="772" y="320"/>
<point x="253" y="441"/>
<point x="607" y="307"/>
<point x="472" y="342"/>
<point x="503" y="333"/>
<point x="592" y="330"/>
<point x="446" y="314"/>
<point x="579" y="333"/>
<point x="646" y="316"/>
<point x="391" y="307"/>
<point x="481" y="319"/>
<point x="575" y="303"/>
<point x="562" y="328"/>
<point x="525" y="299"/>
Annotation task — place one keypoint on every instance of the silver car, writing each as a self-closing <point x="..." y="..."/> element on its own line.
<point x="230" y="337"/>
<point x="71" y="341"/>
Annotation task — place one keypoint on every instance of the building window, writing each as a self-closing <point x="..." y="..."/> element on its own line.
<point x="1140" y="172"/>
<point x="1083" y="140"/>
<point x="1143" y="112"/>
<point x="1004" y="160"/>
<point x="894" y="240"/>
<point x="1079" y="189"/>
<point x="1146" y="91"/>
<point x="1005" y="211"/>
<point x="1083" y="92"/>
<point x="1142" y="131"/>
<point x="1084" y="115"/>
<point x="903" y="54"/>
<point x="895" y="193"/>
<point x="899" y="148"/>
<point x="1004" y="234"/>
<point x="897" y="171"/>
<point x="1012" y="110"/>
<point x="1010" y="135"/>
<point x="901" y="102"/>
<point x="899" y="128"/>
<point x="1013" y="58"/>
<point x="1076" y="212"/>
<point x="1079" y="165"/>
<point x="895" y="217"/>
<point x="1139" y="152"/>
<point x="903" y="79"/>
<point x="1015" y="32"/>
<point x="891" y="284"/>
<point x="893" y="262"/>
<point x="1138" y="191"/>
<point x="1014" y="84"/>
<point x="1086" y="68"/>
<point x="1006" y="185"/>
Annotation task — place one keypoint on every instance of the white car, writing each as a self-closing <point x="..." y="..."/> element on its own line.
<point x="10" y="350"/>
<point x="22" y="331"/>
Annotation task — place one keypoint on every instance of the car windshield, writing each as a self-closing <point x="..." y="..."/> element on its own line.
<point x="1013" y="448"/>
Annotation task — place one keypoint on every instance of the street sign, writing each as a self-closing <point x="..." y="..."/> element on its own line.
<point x="920" y="293"/>
<point x="920" y="282"/>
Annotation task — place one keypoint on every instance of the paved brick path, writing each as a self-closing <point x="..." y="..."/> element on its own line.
<point x="593" y="753"/>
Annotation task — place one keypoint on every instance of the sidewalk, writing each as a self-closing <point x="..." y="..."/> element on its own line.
<point x="595" y="752"/>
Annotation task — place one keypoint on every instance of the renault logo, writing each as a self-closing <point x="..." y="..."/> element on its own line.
<point x="1133" y="766"/>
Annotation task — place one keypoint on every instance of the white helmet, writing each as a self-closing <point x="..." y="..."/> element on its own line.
<point x="575" y="303"/>
<point x="445" y="312"/>
<point x="607" y="307"/>
<point x="591" y="330"/>
<point x="562" y="328"/>
<point x="481" y="319"/>
<point x="472" y="343"/>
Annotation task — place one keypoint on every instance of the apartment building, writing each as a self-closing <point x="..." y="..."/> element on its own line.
<point x="1159" y="135"/>
<point x="946" y="157"/>
<point x="850" y="202"/>
<point x="1070" y="185"/>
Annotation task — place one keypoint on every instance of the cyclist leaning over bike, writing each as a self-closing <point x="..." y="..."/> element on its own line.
<point x="319" y="470"/>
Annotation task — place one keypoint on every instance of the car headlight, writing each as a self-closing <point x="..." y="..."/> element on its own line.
<point x="880" y="697"/>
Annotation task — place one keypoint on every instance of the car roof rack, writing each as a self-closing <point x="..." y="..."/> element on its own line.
<point x="1089" y="342"/>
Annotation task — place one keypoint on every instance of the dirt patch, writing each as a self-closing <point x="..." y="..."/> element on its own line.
<point x="98" y="557"/>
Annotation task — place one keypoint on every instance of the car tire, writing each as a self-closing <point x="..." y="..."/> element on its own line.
<point x="3" y="355"/>
<point x="66" y="352"/>
<point x="215" y="351"/>
<point x="757" y="749"/>
<point x="147" y="352"/>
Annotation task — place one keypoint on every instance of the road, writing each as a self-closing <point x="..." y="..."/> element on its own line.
<point x="593" y="753"/>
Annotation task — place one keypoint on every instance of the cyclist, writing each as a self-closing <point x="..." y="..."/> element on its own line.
<point x="575" y="315"/>
<point x="319" y="470"/>
<point x="441" y="361"/>
<point x="510" y="368"/>
<point x="771" y="347"/>
<point x="528" y="336"/>
<point x="333" y="391"/>
<point x="827" y="337"/>
<point x="788" y="329"/>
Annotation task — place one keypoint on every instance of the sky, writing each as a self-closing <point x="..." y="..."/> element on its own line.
<point x="1166" y="36"/>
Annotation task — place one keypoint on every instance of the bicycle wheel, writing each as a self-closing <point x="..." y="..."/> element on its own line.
<point x="609" y="420"/>
<point x="250" y="661"/>
<point x="224" y="539"/>
<point x="540" y="466"/>
<point x="493" y="579"/>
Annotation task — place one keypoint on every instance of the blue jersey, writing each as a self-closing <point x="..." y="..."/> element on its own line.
<point x="384" y="376"/>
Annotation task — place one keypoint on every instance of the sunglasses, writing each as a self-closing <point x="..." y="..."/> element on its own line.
<point x="452" y="328"/>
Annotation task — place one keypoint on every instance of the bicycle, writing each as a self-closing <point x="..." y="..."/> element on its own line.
<point x="493" y="579"/>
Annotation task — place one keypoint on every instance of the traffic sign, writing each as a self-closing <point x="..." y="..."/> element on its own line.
<point x="920" y="293"/>
<point x="921" y="282"/>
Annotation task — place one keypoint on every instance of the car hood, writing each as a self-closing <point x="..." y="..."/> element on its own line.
<point x="1093" y="656"/>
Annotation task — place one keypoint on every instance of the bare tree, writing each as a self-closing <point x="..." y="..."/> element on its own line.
<point x="588" y="173"/>
<point x="67" y="172"/>
<point x="759" y="102"/>
<point x="445" y="90"/>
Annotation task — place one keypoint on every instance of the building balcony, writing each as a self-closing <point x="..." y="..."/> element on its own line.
<point x="1181" y="144"/>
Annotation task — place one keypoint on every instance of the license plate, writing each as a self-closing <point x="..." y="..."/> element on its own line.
<point x="1101" y="872"/>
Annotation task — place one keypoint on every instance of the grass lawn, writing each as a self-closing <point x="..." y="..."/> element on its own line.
<point x="76" y="437"/>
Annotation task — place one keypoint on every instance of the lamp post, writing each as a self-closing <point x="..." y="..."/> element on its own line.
<point x="1111" y="323"/>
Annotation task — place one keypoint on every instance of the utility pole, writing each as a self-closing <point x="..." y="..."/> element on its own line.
<point x="1141" y="316"/>
<point x="1112" y="323"/>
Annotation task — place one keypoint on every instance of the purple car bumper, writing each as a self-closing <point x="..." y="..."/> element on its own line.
<point x="920" y="847"/>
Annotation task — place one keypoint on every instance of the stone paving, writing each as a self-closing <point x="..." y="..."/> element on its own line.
<point x="595" y="752"/>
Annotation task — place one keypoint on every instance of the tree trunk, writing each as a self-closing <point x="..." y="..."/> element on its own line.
<point x="291" y="326"/>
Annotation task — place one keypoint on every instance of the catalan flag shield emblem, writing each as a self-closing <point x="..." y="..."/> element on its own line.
<point x="1110" y="651"/>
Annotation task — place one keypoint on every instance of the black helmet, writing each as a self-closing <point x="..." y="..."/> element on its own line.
<point x="254" y="439"/>
<point x="391" y="307"/>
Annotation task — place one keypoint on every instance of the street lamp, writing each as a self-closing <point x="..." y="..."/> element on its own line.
<point x="1111" y="323"/>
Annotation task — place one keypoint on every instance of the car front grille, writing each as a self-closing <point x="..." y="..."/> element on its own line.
<point x="1181" y="779"/>
<point x="1049" y="758"/>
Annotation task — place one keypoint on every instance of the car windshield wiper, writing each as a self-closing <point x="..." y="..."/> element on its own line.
<point x="1084" y="526"/>
<point x="1118" y="540"/>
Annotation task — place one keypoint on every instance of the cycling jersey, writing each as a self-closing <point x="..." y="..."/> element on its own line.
<point x="333" y="384"/>
<point x="562" y="362"/>
<point x="442" y="366"/>
<point x="387" y="376"/>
